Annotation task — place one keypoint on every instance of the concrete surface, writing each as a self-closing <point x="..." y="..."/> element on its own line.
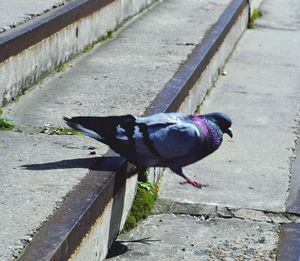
<point x="249" y="176"/>
<point x="90" y="85"/>
<point x="183" y="237"/>
<point x="16" y="12"/>
<point x="122" y="63"/>
<point x="282" y="19"/>
<point x="255" y="4"/>
<point x="37" y="173"/>
<point x="28" y="67"/>
<point x="261" y="93"/>
<point x="215" y="66"/>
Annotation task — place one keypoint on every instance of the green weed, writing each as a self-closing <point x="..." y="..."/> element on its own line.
<point x="63" y="67"/>
<point x="60" y="131"/>
<point x="143" y="204"/>
<point x="6" y="124"/>
<point x="106" y="37"/>
<point x="256" y="14"/>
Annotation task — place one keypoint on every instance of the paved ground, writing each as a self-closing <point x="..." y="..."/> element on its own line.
<point x="183" y="237"/>
<point x="16" y="12"/>
<point x="118" y="77"/>
<point x="249" y="176"/>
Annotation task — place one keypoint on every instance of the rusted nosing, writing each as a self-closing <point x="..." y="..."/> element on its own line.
<point x="22" y="37"/>
<point x="184" y="79"/>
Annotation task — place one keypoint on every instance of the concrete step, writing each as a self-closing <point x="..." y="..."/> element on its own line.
<point x="185" y="237"/>
<point x="67" y="188"/>
<point x="16" y="13"/>
<point x="253" y="193"/>
<point x="38" y="47"/>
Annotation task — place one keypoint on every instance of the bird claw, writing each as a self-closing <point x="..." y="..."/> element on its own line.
<point x="194" y="183"/>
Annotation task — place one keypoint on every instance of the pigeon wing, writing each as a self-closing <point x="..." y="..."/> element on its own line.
<point x="170" y="139"/>
<point x="144" y="141"/>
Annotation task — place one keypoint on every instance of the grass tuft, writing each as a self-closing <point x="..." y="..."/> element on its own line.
<point x="6" y="124"/>
<point x="256" y="14"/>
<point x="63" y="67"/>
<point x="143" y="204"/>
<point x="60" y="131"/>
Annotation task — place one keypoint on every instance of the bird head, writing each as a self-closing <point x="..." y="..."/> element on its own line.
<point x="222" y="120"/>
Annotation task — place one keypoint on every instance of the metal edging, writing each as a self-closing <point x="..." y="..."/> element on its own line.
<point x="60" y="236"/>
<point x="289" y="236"/>
<point x="289" y="243"/>
<point x="181" y="83"/>
<point x="20" y="38"/>
<point x="293" y="199"/>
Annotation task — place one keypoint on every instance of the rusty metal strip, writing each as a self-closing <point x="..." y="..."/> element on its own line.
<point x="293" y="200"/>
<point x="289" y="242"/>
<point x="64" y="231"/>
<point x="289" y="237"/>
<point x="16" y="40"/>
<point x="181" y="83"/>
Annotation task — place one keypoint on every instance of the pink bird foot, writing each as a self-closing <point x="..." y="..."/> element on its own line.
<point x="194" y="183"/>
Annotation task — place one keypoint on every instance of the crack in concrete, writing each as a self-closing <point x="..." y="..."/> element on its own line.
<point x="276" y="28"/>
<point x="291" y="192"/>
<point x="206" y="212"/>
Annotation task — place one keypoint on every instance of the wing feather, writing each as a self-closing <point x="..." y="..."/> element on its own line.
<point x="171" y="140"/>
<point x="146" y="140"/>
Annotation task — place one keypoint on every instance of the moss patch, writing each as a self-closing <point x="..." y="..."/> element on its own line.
<point x="6" y="124"/>
<point x="256" y="14"/>
<point x="106" y="37"/>
<point x="60" y="131"/>
<point x="143" y="204"/>
<point x="63" y="67"/>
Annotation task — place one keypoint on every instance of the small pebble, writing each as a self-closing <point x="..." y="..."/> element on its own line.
<point x="261" y="240"/>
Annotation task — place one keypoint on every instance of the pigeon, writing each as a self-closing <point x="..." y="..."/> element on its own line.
<point x="170" y="140"/>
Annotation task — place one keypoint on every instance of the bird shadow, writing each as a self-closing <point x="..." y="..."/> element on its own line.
<point x="106" y="163"/>
<point x="119" y="247"/>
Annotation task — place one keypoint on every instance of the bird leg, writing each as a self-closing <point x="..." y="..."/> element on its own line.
<point x="142" y="175"/>
<point x="193" y="182"/>
<point x="137" y="170"/>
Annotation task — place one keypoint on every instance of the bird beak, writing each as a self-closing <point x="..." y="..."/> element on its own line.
<point x="229" y="132"/>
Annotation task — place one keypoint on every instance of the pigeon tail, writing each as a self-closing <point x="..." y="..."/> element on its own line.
<point x="78" y="126"/>
<point x="104" y="129"/>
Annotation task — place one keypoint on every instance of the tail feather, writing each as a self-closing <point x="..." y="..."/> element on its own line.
<point x="80" y="127"/>
<point x="100" y="128"/>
